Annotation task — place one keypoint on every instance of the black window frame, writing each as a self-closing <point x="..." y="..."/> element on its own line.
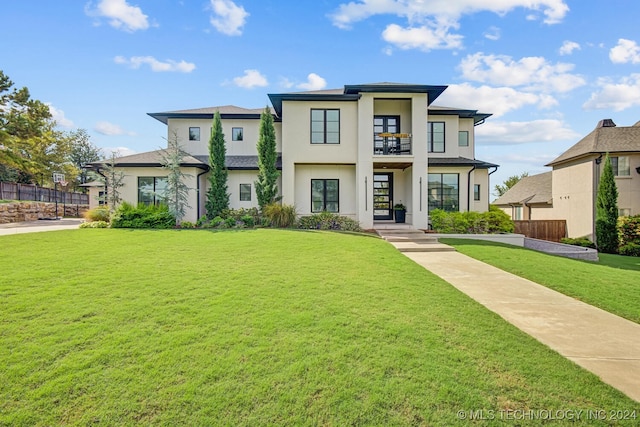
<point x="430" y="134"/>
<point x="157" y="197"/>
<point x="476" y="192"/>
<point x="244" y="193"/>
<point x="441" y="204"/>
<point x="234" y="135"/>
<point x="324" y="122"/>
<point x="463" y="132"/>
<point x="194" y="127"/>
<point x="324" y="195"/>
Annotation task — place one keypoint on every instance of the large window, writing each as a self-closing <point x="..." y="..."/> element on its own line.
<point x="463" y="138"/>
<point x="194" y="134"/>
<point x="621" y="166"/>
<point x="436" y="137"/>
<point x="151" y="190"/>
<point x="325" y="126"/>
<point x="444" y="191"/>
<point x="325" y="195"/>
<point x="245" y="192"/>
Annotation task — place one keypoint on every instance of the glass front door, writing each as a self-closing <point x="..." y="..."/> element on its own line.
<point x="382" y="196"/>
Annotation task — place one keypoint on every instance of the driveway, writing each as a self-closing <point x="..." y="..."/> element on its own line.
<point x="40" y="225"/>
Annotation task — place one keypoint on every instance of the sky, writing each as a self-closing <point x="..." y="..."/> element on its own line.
<point x="548" y="70"/>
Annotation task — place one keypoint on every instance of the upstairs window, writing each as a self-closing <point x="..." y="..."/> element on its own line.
<point x="435" y="136"/>
<point x="621" y="166"/>
<point x="325" y="126"/>
<point x="194" y="134"/>
<point x="463" y="138"/>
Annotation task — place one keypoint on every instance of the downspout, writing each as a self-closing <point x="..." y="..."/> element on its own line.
<point x="596" y="183"/>
<point x="469" y="187"/>
<point x="198" y="190"/>
<point x="488" y="186"/>
<point x="106" y="191"/>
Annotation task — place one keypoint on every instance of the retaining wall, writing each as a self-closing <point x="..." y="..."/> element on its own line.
<point x="32" y="211"/>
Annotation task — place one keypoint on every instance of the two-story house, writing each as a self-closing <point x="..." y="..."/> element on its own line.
<point x="355" y="151"/>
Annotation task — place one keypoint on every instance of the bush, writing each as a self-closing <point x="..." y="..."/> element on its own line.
<point x="230" y="222"/>
<point x="629" y="229"/>
<point x="280" y="216"/>
<point x="101" y="213"/>
<point x="142" y="216"/>
<point x="187" y="224"/>
<point x="630" y="249"/>
<point x="95" y="224"/>
<point x="492" y="221"/>
<point x="579" y="241"/>
<point x="248" y="221"/>
<point x="328" y="221"/>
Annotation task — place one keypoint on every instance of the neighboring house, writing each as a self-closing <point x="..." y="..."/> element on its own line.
<point x="575" y="177"/>
<point x="355" y="151"/>
<point x="96" y="193"/>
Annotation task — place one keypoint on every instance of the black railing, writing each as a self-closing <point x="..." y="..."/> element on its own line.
<point x="392" y="145"/>
<point x="15" y="191"/>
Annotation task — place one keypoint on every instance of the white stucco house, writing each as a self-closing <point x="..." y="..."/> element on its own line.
<point x="355" y="151"/>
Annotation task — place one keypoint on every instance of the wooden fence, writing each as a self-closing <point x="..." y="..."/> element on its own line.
<point x="15" y="191"/>
<point x="552" y="229"/>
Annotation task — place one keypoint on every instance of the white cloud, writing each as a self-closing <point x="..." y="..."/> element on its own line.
<point x="568" y="47"/>
<point x="251" y="79"/>
<point x="314" y="82"/>
<point x="229" y="18"/>
<point x="532" y="72"/>
<point x="617" y="96"/>
<point x="119" y="151"/>
<point x="157" y="66"/>
<point x="497" y="101"/>
<point x="509" y="133"/>
<point x="110" y="129"/>
<point x="121" y="15"/>
<point x="625" y="51"/>
<point x="59" y="117"/>
<point x="430" y="22"/>
<point x="493" y="33"/>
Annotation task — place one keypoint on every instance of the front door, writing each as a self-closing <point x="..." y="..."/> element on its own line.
<point x="382" y="196"/>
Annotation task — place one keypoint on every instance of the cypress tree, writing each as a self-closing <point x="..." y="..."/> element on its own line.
<point x="217" y="196"/>
<point x="607" y="211"/>
<point x="266" y="185"/>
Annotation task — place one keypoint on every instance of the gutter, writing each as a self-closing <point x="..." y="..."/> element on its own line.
<point x="469" y="187"/>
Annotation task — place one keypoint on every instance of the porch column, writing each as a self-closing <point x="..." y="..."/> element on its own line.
<point x="364" y="165"/>
<point x="419" y="172"/>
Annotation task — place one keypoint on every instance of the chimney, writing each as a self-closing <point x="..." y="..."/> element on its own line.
<point x="606" y="123"/>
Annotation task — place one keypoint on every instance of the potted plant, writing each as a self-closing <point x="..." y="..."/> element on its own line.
<point x="400" y="212"/>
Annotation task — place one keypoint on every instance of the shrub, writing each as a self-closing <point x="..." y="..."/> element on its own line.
<point x="203" y="221"/>
<point x="492" y="221"/>
<point x="248" y="217"/>
<point x="579" y="241"/>
<point x="630" y="249"/>
<point x="187" y="224"/>
<point x="280" y="216"/>
<point x="142" y="216"/>
<point x="95" y="224"/>
<point x="629" y="229"/>
<point x="248" y="221"/>
<point x="100" y="213"/>
<point x="328" y="221"/>
<point x="230" y="222"/>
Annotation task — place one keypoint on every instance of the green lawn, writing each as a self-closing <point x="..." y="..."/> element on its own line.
<point x="612" y="284"/>
<point x="261" y="327"/>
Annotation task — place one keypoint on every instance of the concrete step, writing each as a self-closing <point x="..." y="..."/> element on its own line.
<point x="416" y="239"/>
<point x="422" y="247"/>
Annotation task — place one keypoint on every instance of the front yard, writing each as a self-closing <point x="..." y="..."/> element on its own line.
<point x="257" y="327"/>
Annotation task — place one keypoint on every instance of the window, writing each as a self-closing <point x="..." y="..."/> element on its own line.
<point x="194" y="134"/>
<point x="517" y="213"/>
<point x="443" y="191"/>
<point x="237" y="134"/>
<point x="325" y="195"/>
<point x="102" y="198"/>
<point x="463" y="138"/>
<point x="621" y="166"/>
<point x="476" y="191"/>
<point x="624" y="212"/>
<point x="325" y="126"/>
<point x="435" y="136"/>
<point x="245" y="192"/>
<point x="151" y="190"/>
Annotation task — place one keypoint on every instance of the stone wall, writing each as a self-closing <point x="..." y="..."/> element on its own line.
<point x="31" y="211"/>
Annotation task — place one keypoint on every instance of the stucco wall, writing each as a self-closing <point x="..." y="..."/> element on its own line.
<point x="347" y="186"/>
<point x="573" y="197"/>
<point x="629" y="186"/>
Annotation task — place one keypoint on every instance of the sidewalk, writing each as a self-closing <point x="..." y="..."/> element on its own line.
<point x="41" y="225"/>
<point x="601" y="342"/>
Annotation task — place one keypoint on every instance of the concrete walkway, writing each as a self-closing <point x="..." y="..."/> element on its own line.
<point x="603" y="343"/>
<point x="41" y="225"/>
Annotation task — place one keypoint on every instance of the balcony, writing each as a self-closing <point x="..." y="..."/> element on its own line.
<point x="392" y="144"/>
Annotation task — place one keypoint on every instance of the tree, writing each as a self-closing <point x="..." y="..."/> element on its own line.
<point x="217" y="196"/>
<point x="177" y="192"/>
<point x="607" y="211"/>
<point x="113" y="181"/>
<point x="266" y="185"/>
<point x="82" y="151"/>
<point x="500" y="189"/>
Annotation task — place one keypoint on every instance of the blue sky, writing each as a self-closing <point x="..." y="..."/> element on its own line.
<point x="548" y="70"/>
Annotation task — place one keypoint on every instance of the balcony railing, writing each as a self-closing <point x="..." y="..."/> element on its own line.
<point x="392" y="144"/>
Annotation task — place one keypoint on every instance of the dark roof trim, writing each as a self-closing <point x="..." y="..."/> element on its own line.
<point x="164" y="117"/>
<point x="459" y="161"/>
<point x="464" y="114"/>
<point x="432" y="91"/>
<point x="277" y="98"/>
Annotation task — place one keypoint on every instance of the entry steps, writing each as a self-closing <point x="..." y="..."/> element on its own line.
<point x="411" y="240"/>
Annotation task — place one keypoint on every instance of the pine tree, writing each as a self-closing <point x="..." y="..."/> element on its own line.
<point x="266" y="185"/>
<point x="177" y="192"/>
<point x="607" y="211"/>
<point x="113" y="181"/>
<point x="217" y="196"/>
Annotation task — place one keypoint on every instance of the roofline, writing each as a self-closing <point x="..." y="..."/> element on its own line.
<point x="164" y="117"/>
<point x="277" y="98"/>
<point x="588" y="154"/>
<point x="96" y="165"/>
<point x="479" y="164"/>
<point x="478" y="118"/>
<point x="433" y="91"/>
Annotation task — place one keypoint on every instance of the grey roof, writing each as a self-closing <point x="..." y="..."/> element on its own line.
<point x="530" y="189"/>
<point x="148" y="159"/>
<point x="478" y="118"/>
<point x="460" y="161"/>
<point x="242" y="162"/>
<point x="607" y="139"/>
<point x="226" y="112"/>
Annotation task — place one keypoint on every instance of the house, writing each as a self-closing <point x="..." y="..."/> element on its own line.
<point x="355" y="151"/>
<point x="570" y="190"/>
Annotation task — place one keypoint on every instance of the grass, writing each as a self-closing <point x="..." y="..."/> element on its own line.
<point x="258" y="327"/>
<point x="613" y="283"/>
